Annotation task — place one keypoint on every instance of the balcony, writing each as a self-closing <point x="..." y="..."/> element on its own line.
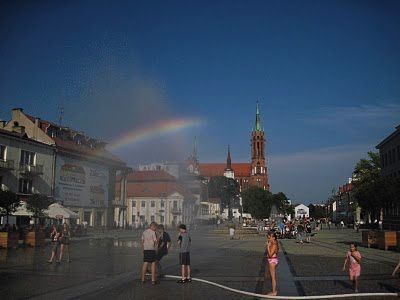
<point x="176" y="211"/>
<point x="31" y="169"/>
<point x="6" y="165"/>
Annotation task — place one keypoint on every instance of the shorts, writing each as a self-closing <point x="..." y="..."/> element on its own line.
<point x="65" y="240"/>
<point x="273" y="260"/>
<point x="149" y="256"/>
<point x="184" y="258"/>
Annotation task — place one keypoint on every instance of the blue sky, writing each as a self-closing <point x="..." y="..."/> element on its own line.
<point x="326" y="73"/>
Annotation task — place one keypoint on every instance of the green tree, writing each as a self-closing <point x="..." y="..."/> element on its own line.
<point x="226" y="189"/>
<point x="372" y="191"/>
<point x="257" y="202"/>
<point x="9" y="203"/>
<point x="37" y="203"/>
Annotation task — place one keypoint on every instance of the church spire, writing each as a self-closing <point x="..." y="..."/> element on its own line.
<point x="228" y="160"/>
<point x="195" y="148"/>
<point x="258" y="120"/>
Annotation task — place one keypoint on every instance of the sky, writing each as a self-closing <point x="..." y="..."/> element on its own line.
<point x="326" y="75"/>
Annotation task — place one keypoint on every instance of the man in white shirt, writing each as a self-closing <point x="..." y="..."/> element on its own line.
<point x="149" y="246"/>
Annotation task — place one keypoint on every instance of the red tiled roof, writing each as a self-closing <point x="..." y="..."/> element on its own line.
<point x="217" y="169"/>
<point x="85" y="150"/>
<point x="346" y="188"/>
<point x="43" y="124"/>
<point x="140" y="176"/>
<point x="154" y="189"/>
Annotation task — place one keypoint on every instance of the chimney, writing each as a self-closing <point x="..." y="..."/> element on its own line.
<point x="3" y="124"/>
<point x="37" y="122"/>
<point x="16" y="112"/>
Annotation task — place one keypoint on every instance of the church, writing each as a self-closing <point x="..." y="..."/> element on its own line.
<point x="247" y="174"/>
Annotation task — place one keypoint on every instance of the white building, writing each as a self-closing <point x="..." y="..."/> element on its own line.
<point x="301" y="211"/>
<point x="155" y="196"/>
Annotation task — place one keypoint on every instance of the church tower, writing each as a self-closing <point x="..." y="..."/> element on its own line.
<point x="228" y="172"/>
<point x="259" y="174"/>
<point x="193" y="161"/>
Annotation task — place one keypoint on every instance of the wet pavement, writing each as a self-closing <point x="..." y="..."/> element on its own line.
<point x="108" y="268"/>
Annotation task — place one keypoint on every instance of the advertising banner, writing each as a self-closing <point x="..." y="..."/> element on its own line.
<point x="81" y="183"/>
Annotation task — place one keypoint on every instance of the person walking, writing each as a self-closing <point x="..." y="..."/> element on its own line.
<point x="353" y="260"/>
<point x="184" y="242"/>
<point x="308" y="232"/>
<point x="300" y="231"/>
<point x="164" y="242"/>
<point x="149" y="246"/>
<point x="55" y="236"/>
<point x="65" y="235"/>
<point x="272" y="250"/>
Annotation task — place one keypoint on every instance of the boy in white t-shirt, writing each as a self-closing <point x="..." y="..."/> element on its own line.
<point x="149" y="246"/>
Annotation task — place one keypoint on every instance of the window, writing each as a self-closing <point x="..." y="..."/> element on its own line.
<point x="133" y="204"/>
<point x="153" y="203"/>
<point x="386" y="159"/>
<point x="27" y="158"/>
<point x="382" y="161"/>
<point x="143" y="203"/>
<point x="162" y="204"/>
<point x="394" y="155"/>
<point x="133" y="218"/>
<point x="161" y="219"/>
<point x="152" y="219"/>
<point x="175" y="204"/>
<point x="25" y="186"/>
<point x="2" y="152"/>
<point x="390" y="157"/>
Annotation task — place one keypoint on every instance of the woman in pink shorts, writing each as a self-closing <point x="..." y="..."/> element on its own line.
<point x="272" y="249"/>
<point x="353" y="259"/>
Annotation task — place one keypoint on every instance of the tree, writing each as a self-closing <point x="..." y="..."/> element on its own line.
<point x="37" y="203"/>
<point x="257" y="202"/>
<point x="373" y="191"/>
<point x="9" y="203"/>
<point x="226" y="189"/>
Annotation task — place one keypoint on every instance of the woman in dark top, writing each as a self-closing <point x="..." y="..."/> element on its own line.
<point x="66" y="234"/>
<point x="164" y="242"/>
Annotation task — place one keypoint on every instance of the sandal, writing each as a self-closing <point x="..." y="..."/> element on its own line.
<point x="181" y="281"/>
<point x="189" y="279"/>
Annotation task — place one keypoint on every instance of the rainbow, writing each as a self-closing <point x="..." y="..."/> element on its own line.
<point x="160" y="128"/>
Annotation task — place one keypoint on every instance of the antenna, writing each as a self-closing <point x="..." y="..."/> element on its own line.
<point x="61" y="114"/>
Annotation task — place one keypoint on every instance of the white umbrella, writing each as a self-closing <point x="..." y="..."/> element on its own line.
<point x="57" y="211"/>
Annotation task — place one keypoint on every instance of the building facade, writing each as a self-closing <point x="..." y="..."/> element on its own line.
<point x="156" y="196"/>
<point x="389" y="150"/>
<point x="301" y="211"/>
<point x="82" y="171"/>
